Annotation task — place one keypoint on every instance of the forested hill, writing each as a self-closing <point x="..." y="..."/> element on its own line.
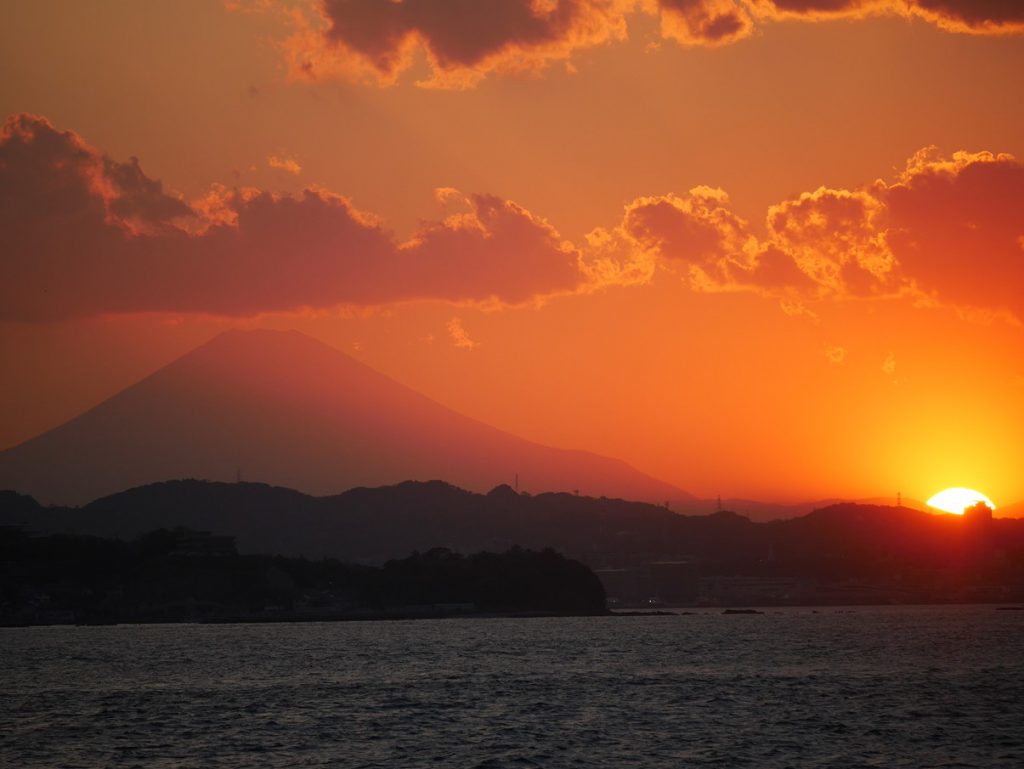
<point x="374" y="525"/>
<point x="183" y="576"/>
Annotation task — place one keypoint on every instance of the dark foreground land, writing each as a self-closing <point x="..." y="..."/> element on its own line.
<point x="646" y="556"/>
<point x="185" y="576"/>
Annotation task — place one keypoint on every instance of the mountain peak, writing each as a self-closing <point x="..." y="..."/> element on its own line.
<point x="283" y="408"/>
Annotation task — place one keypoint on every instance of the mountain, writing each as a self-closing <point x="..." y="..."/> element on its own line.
<point x="368" y="525"/>
<point x="285" y="409"/>
<point x="773" y="511"/>
<point x="372" y="525"/>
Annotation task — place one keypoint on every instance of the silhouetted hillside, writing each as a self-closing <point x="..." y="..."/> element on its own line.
<point x="775" y="511"/>
<point x="876" y="552"/>
<point x="364" y="524"/>
<point x="174" y="575"/>
<point x="285" y="409"/>
<point x="14" y="503"/>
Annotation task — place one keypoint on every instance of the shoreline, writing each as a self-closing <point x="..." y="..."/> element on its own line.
<point x="407" y="615"/>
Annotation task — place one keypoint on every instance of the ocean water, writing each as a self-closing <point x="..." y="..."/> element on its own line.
<point x="863" y="687"/>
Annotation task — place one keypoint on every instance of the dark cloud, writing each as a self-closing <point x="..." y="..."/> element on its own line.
<point x="462" y="39"/>
<point x="81" y="234"/>
<point x="465" y="40"/>
<point x="980" y="16"/>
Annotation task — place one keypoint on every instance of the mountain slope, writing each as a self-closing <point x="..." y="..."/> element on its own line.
<point x="285" y="409"/>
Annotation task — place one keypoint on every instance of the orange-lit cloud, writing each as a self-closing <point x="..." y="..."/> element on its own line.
<point x="976" y="16"/>
<point x="704" y="22"/>
<point x="45" y="169"/>
<point x="464" y="41"/>
<point x="81" y="234"/>
<point x="284" y="164"/>
<point x="955" y="227"/>
<point x="460" y="338"/>
<point x="822" y="10"/>
<point x="836" y="355"/>
<point x="699" y="235"/>
<point x="949" y="230"/>
<point x="834" y="238"/>
<point x="697" y="231"/>
<point x="971" y="16"/>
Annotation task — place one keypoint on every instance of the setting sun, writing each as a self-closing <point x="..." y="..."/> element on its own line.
<point x="957" y="499"/>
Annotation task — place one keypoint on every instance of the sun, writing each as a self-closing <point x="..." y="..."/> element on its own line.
<point x="958" y="499"/>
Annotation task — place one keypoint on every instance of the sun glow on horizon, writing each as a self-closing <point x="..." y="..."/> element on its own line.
<point x="957" y="499"/>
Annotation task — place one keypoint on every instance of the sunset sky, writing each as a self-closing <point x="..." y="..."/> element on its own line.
<point x="758" y="248"/>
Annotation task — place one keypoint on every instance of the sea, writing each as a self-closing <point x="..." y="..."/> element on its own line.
<point x="921" y="686"/>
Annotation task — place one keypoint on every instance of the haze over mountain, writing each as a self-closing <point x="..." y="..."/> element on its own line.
<point x="285" y="409"/>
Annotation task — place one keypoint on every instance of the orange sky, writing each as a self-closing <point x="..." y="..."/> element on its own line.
<point x="708" y="238"/>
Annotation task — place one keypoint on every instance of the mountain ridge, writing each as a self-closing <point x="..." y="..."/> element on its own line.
<point x="840" y="553"/>
<point x="281" y="407"/>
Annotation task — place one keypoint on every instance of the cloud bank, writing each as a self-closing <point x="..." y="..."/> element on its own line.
<point x="949" y="230"/>
<point x="83" y="235"/>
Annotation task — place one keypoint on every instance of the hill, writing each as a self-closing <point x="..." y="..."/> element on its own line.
<point x="774" y="511"/>
<point x="287" y="410"/>
<point x="161" y="577"/>
<point x="369" y="525"/>
<point x="373" y="525"/>
<point x="844" y="553"/>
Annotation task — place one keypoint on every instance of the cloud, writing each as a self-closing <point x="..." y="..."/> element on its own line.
<point x="889" y="365"/>
<point x="498" y="249"/>
<point x="81" y="234"/>
<point x="983" y="17"/>
<point x="284" y="164"/>
<point x="834" y="238"/>
<point x="822" y="10"/>
<point x="836" y="355"/>
<point x="459" y="336"/>
<point x="972" y="16"/>
<point x="698" y="235"/>
<point x="946" y="231"/>
<point x="42" y="168"/>
<point x="696" y="230"/>
<point x="704" y="22"/>
<point x="464" y="41"/>
<point x="955" y="226"/>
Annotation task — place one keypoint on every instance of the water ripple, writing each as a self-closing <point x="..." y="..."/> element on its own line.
<point x="887" y="687"/>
